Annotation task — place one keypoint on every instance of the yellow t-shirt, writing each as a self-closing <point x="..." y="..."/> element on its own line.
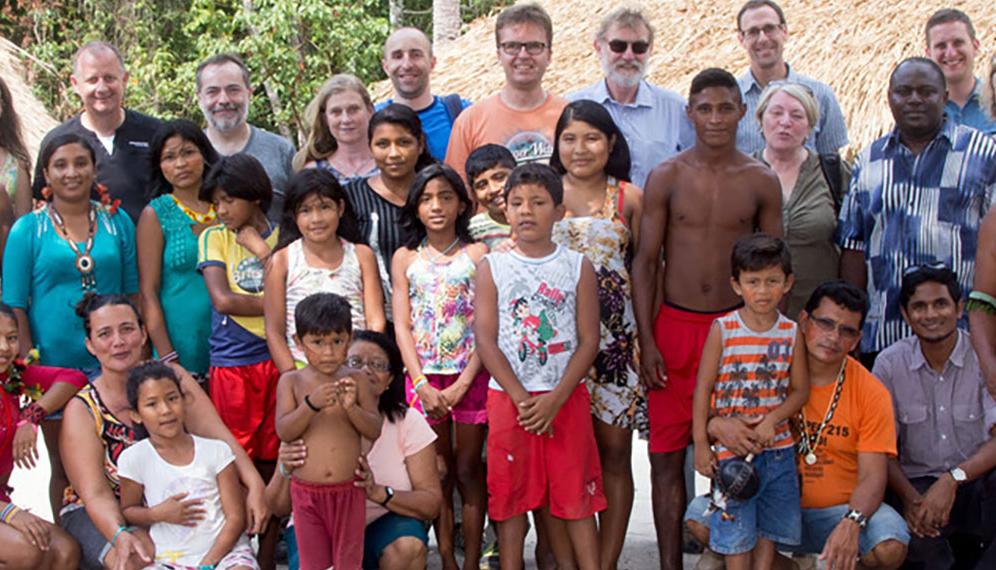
<point x="236" y="340"/>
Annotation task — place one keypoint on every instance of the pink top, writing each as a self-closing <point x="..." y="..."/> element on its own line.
<point x="397" y="442"/>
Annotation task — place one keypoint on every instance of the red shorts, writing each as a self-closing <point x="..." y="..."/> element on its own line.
<point x="680" y="336"/>
<point x="527" y="471"/>
<point x="329" y="521"/>
<point x="471" y="409"/>
<point x="246" y="400"/>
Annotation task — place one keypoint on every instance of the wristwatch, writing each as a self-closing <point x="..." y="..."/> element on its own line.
<point x="389" y="494"/>
<point x="856" y="516"/>
<point x="959" y="475"/>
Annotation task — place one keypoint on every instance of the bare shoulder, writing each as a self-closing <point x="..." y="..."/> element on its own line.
<point x="664" y="177"/>
<point x="477" y="251"/>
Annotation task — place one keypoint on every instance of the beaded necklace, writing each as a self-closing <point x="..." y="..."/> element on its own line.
<point x="205" y="218"/>
<point x="809" y="442"/>
<point x="84" y="261"/>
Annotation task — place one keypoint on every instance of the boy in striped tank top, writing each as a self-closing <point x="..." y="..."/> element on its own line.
<point x="754" y="365"/>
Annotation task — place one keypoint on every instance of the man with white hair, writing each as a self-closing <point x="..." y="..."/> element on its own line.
<point x="224" y="94"/>
<point x="120" y="137"/>
<point x="652" y="119"/>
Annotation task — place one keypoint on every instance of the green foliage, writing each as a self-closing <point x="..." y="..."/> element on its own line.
<point x="290" y="47"/>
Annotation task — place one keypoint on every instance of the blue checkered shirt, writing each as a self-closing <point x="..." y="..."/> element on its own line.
<point x="904" y="209"/>
<point x="830" y="135"/>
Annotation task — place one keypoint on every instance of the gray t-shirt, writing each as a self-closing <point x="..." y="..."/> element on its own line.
<point x="275" y="153"/>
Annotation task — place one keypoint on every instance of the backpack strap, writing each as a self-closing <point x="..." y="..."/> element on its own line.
<point x="831" y="168"/>
<point x="454" y="106"/>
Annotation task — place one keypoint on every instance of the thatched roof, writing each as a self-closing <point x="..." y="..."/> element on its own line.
<point x="35" y="119"/>
<point x="850" y="44"/>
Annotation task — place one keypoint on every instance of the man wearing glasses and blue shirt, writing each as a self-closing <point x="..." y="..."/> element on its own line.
<point x="522" y="116"/>
<point x="652" y="119"/>
<point x="762" y="31"/>
<point x="917" y="196"/>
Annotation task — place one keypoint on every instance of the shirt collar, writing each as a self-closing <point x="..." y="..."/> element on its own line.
<point x="747" y="81"/>
<point x="947" y="132"/>
<point x="957" y="357"/>
<point x="643" y="96"/>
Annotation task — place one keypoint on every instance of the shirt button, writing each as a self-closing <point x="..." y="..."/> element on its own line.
<point x="942" y="408"/>
<point x="943" y="436"/>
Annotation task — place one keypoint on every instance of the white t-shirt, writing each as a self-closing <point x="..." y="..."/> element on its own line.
<point x="179" y="544"/>
<point x="397" y="442"/>
<point x="537" y="309"/>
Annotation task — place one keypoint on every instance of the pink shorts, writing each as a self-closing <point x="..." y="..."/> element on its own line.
<point x="472" y="409"/>
<point x="329" y="522"/>
<point x="680" y="336"/>
<point x="527" y="471"/>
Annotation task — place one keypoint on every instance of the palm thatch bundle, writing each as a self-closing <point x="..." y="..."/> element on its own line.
<point x="35" y="119"/>
<point x="850" y="44"/>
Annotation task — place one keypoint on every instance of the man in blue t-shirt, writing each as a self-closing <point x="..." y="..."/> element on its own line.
<point x="408" y="61"/>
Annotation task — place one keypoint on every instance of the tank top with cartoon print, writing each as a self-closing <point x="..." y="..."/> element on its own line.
<point x="537" y="308"/>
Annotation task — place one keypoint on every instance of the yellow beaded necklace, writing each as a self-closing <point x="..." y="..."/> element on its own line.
<point x="198" y="217"/>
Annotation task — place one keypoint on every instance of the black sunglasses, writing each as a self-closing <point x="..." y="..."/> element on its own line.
<point x="639" y="47"/>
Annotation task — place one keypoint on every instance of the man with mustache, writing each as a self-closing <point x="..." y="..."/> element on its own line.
<point x="762" y="32"/>
<point x="917" y="196"/>
<point x="120" y="137"/>
<point x="943" y="480"/>
<point x="224" y="94"/>
<point x="652" y="119"/>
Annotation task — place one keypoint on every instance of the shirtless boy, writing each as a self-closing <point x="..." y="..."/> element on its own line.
<point x="696" y="205"/>
<point x="330" y="411"/>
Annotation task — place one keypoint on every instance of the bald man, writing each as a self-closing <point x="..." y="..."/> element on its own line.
<point x="408" y="62"/>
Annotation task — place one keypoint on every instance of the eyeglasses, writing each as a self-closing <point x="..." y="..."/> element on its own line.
<point x="513" y="48"/>
<point x="639" y="47"/>
<point x="768" y="30"/>
<point x="934" y="265"/>
<point x="375" y="364"/>
<point x="829" y="325"/>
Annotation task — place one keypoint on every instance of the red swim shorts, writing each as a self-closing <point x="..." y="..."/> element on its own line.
<point x="680" y="336"/>
<point x="527" y="471"/>
<point x="329" y="523"/>
<point x="246" y="400"/>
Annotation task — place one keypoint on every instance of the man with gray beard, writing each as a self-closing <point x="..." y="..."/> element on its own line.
<point x="652" y="119"/>
<point x="224" y="93"/>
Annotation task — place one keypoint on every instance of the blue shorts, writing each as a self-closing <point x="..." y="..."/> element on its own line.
<point x="817" y="524"/>
<point x="385" y="530"/>
<point x="773" y="513"/>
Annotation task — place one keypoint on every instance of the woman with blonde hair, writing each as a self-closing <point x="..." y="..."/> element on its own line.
<point x="788" y="112"/>
<point x="338" y="118"/>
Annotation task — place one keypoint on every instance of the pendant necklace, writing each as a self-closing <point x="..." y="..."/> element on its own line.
<point x="809" y="442"/>
<point x="84" y="261"/>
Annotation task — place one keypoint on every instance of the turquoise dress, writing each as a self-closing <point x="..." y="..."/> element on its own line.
<point x="182" y="292"/>
<point x="40" y="277"/>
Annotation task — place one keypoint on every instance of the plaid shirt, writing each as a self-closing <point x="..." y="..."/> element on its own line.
<point x="905" y="209"/>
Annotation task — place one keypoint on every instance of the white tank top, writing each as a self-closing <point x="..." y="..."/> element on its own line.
<point x="304" y="280"/>
<point x="537" y="308"/>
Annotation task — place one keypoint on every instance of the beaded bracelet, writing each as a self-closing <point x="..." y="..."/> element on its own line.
<point x="33" y="413"/>
<point x="122" y="528"/>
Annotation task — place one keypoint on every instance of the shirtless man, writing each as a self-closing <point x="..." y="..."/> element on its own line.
<point x="695" y="206"/>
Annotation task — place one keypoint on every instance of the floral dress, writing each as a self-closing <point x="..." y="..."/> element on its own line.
<point x="617" y="396"/>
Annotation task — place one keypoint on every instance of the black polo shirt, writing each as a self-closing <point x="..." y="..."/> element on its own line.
<point x="126" y="171"/>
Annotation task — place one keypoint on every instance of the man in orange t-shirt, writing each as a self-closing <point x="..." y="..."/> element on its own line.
<point x="843" y="470"/>
<point x="522" y="116"/>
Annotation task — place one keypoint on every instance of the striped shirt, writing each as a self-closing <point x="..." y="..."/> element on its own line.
<point x="904" y="209"/>
<point x="380" y="226"/>
<point x="753" y="377"/>
<point x="827" y="137"/>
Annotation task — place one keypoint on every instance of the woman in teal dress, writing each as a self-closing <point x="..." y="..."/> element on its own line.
<point x="69" y="246"/>
<point x="175" y="301"/>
